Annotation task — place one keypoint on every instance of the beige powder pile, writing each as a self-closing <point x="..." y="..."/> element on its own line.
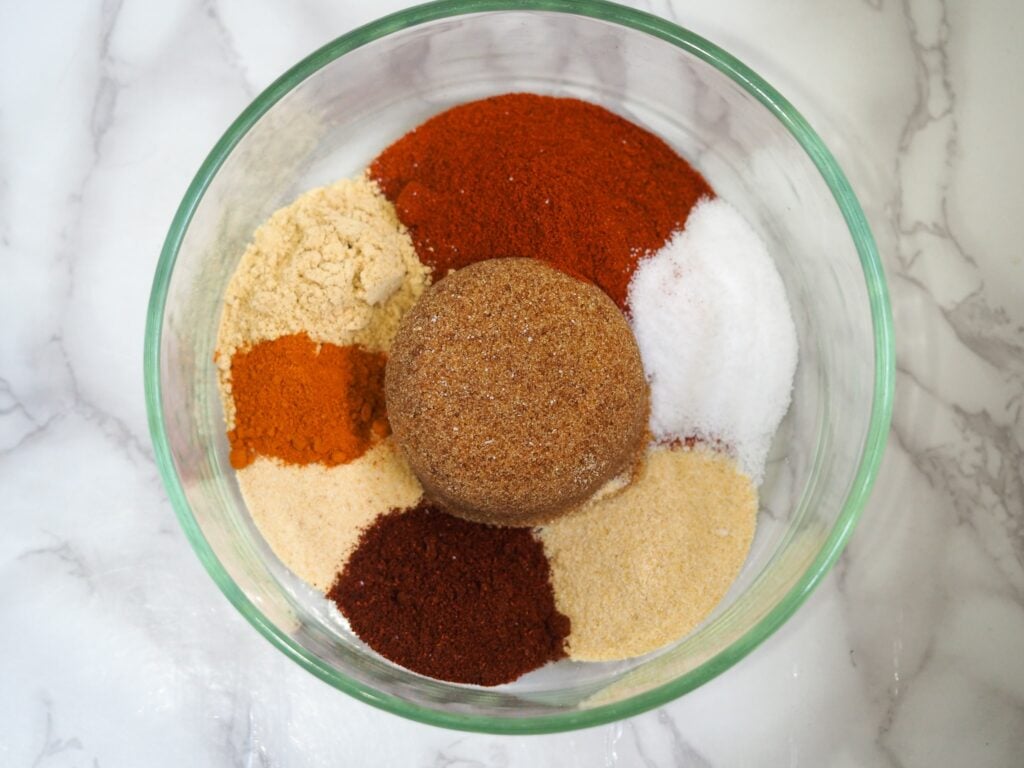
<point x="336" y="264"/>
<point x="311" y="516"/>
<point x="640" y="569"/>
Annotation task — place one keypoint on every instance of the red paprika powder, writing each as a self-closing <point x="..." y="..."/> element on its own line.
<point x="455" y="600"/>
<point x="556" y="179"/>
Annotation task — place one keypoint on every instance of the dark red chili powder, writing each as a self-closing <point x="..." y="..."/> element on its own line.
<point x="556" y="179"/>
<point x="451" y="599"/>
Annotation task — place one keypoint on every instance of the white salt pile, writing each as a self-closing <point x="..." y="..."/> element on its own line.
<point x="716" y="336"/>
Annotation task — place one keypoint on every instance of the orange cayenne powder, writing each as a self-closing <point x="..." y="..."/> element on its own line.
<point x="306" y="403"/>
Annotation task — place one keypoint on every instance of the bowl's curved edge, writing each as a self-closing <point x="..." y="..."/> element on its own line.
<point x="881" y="412"/>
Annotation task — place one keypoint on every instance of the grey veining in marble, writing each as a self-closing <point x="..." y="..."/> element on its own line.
<point x="116" y="647"/>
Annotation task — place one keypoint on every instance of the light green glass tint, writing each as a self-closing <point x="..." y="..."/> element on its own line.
<point x="328" y="116"/>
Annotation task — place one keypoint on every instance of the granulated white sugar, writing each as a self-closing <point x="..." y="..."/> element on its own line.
<point x="716" y="336"/>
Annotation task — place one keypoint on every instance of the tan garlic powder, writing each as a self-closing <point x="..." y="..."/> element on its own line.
<point x="640" y="569"/>
<point x="311" y="516"/>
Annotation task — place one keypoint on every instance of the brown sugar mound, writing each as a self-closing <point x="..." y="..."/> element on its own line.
<point x="515" y="391"/>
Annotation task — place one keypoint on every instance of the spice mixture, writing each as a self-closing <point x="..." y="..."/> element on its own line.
<point x="517" y="395"/>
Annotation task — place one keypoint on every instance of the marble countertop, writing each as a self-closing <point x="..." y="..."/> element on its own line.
<point x="118" y="650"/>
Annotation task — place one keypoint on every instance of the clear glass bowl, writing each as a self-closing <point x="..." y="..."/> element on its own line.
<point x="329" y="115"/>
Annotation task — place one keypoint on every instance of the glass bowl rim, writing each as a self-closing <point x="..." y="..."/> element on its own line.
<point x="881" y="409"/>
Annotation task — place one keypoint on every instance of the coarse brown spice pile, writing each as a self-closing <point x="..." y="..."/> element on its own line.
<point x="515" y="391"/>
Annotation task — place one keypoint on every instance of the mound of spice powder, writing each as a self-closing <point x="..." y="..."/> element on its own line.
<point x="306" y="403"/>
<point x="638" y="570"/>
<point x="555" y="179"/>
<point x="515" y="391"/>
<point x="716" y="333"/>
<point x="452" y="599"/>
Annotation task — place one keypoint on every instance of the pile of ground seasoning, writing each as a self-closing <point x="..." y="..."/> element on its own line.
<point x="524" y="175"/>
<point x="306" y="403"/>
<point x="310" y="319"/>
<point x="710" y="314"/>
<point x="452" y="599"/>
<point x="642" y="568"/>
<point x="516" y="391"/>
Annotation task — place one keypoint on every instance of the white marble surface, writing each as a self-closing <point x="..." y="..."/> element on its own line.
<point x="117" y="650"/>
